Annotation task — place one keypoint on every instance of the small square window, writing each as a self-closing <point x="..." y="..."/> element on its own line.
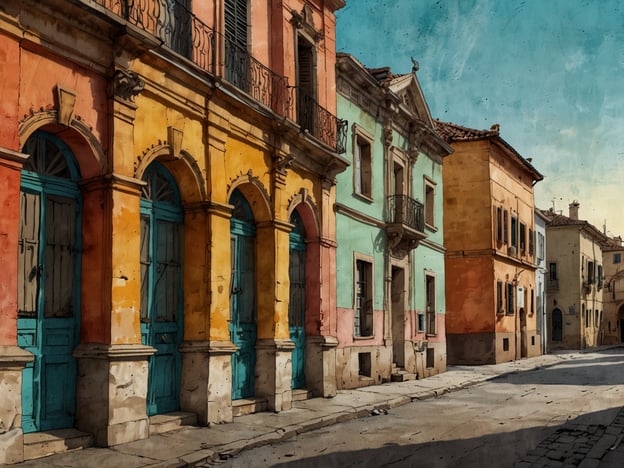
<point x="617" y="258"/>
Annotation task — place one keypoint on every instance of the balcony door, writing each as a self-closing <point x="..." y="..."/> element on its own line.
<point x="236" y="18"/>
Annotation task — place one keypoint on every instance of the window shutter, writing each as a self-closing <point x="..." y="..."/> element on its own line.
<point x="60" y="255"/>
<point x="28" y="254"/>
<point x="235" y="14"/>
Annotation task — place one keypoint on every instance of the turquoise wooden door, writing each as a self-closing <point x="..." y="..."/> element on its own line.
<point x="243" y="297"/>
<point x="296" y="304"/>
<point x="161" y="287"/>
<point x="49" y="282"/>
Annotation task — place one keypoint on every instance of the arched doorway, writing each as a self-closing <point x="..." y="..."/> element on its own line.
<point x="49" y="281"/>
<point x="161" y="286"/>
<point x="297" y="303"/>
<point x="557" y="325"/>
<point x="243" y="296"/>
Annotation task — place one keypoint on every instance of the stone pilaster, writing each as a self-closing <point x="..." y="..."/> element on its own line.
<point x="12" y="361"/>
<point x="111" y="392"/>
<point x="274" y="373"/>
<point x="321" y="365"/>
<point x="206" y="388"/>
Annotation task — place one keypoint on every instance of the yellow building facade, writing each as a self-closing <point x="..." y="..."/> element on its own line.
<point x="199" y="148"/>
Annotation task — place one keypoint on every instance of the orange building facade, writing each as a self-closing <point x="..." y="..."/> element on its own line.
<point x="166" y="227"/>
<point x="490" y="248"/>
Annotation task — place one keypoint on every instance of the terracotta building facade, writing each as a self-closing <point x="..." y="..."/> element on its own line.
<point x="167" y="182"/>
<point x="490" y="251"/>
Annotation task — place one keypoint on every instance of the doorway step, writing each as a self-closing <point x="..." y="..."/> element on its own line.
<point x="300" y="394"/>
<point x="398" y="374"/>
<point x="166" y="422"/>
<point x="248" y="406"/>
<point x="42" y="444"/>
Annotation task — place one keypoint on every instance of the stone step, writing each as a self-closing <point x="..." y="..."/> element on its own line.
<point x="299" y="394"/>
<point x="402" y="376"/>
<point x="166" y="422"/>
<point x="42" y="444"/>
<point x="248" y="406"/>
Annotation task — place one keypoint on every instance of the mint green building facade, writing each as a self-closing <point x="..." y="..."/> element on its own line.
<point x="390" y="256"/>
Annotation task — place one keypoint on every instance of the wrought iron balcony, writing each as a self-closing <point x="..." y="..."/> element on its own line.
<point x="322" y="124"/>
<point x="257" y="80"/>
<point x="405" y="222"/>
<point x="175" y="24"/>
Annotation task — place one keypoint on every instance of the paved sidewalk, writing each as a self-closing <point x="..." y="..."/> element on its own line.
<point x="196" y="446"/>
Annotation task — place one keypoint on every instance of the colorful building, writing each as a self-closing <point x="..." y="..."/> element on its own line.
<point x="613" y="293"/>
<point x="167" y="228"/>
<point x="389" y="228"/>
<point x="575" y="280"/>
<point x="490" y="252"/>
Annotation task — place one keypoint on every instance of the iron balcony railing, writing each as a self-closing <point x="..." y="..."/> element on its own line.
<point x="552" y="284"/>
<point x="174" y="23"/>
<point x="322" y="124"/>
<point x="257" y="80"/>
<point x="407" y="211"/>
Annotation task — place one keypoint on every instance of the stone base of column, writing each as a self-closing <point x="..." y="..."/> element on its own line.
<point x="274" y="373"/>
<point x="111" y="392"/>
<point x="12" y="361"/>
<point x="321" y="365"/>
<point x="206" y="388"/>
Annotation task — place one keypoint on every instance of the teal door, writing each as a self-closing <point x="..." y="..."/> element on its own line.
<point x="296" y="304"/>
<point x="243" y="297"/>
<point x="161" y="287"/>
<point x="49" y="282"/>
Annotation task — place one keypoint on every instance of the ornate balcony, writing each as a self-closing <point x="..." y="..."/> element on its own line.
<point x="180" y="30"/>
<point x="405" y="222"/>
<point x="320" y="123"/>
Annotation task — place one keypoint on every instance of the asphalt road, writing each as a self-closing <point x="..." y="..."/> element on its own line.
<point x="493" y="424"/>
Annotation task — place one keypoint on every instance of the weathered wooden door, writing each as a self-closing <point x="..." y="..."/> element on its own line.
<point x="297" y="304"/>
<point x="243" y="297"/>
<point x="161" y="287"/>
<point x="557" y="325"/>
<point x="49" y="283"/>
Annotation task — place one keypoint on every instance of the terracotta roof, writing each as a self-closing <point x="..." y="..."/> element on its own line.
<point x="452" y="133"/>
<point x="560" y="220"/>
<point x="383" y="75"/>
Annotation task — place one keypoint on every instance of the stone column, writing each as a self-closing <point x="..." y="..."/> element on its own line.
<point x="206" y="388"/>
<point x="112" y="375"/>
<point x="111" y="392"/>
<point x="12" y="357"/>
<point x="273" y="378"/>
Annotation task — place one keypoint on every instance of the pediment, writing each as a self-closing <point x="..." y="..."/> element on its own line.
<point x="408" y="89"/>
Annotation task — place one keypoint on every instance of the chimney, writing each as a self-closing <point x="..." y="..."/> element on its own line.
<point x="574" y="207"/>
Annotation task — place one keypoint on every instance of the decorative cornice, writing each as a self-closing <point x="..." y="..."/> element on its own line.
<point x="211" y="347"/>
<point x="358" y="215"/>
<point x="125" y="352"/>
<point x="14" y="358"/>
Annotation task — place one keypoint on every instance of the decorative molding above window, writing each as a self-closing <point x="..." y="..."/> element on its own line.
<point x="305" y="22"/>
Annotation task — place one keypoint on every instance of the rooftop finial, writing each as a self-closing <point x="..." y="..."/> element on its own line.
<point x="415" y="66"/>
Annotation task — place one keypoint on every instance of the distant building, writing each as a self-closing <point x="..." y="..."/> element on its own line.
<point x="390" y="255"/>
<point x="613" y="293"/>
<point x="575" y="282"/>
<point x="490" y="258"/>
<point x="540" y="279"/>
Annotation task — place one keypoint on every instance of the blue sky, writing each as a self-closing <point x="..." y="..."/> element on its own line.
<point x="550" y="72"/>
